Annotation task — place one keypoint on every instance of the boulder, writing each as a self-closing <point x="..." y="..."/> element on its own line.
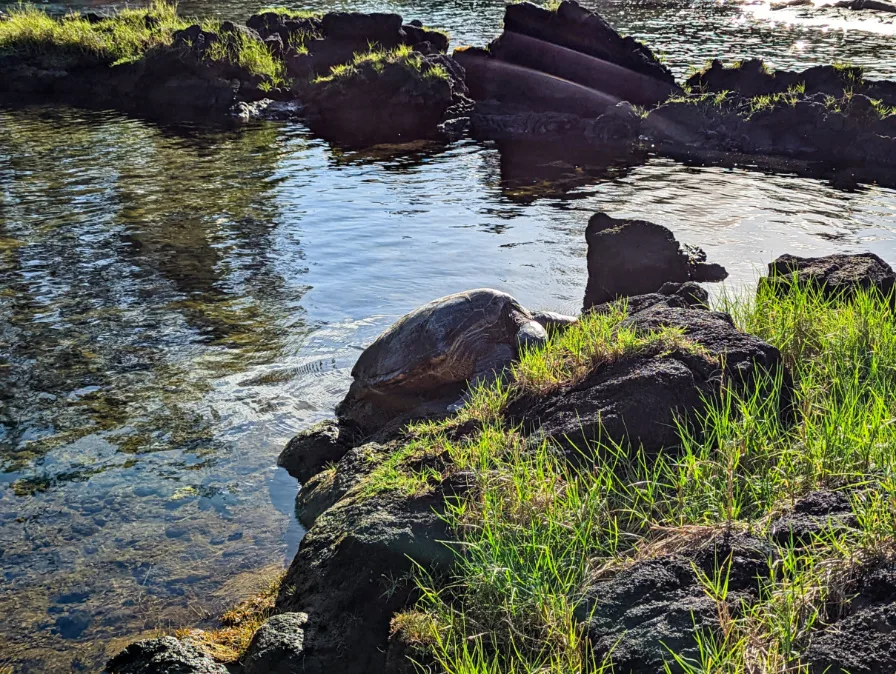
<point x="680" y="295"/>
<point x="655" y="607"/>
<point x="423" y="363"/>
<point x="860" y="642"/>
<point x="379" y="28"/>
<point x="635" y="257"/>
<point x="399" y="98"/>
<point x="166" y="655"/>
<point x="310" y="451"/>
<point x="641" y="398"/>
<point x="278" y="647"/>
<point x="833" y="275"/>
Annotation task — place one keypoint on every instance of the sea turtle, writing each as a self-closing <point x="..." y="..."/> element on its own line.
<point x="423" y="363"/>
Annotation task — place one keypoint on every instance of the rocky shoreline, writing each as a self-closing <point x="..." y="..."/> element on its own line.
<point x="374" y="495"/>
<point x="559" y="75"/>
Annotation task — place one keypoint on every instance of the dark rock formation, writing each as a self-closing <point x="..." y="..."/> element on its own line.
<point x="348" y="576"/>
<point x="556" y="71"/>
<point x="166" y="655"/>
<point x="833" y="275"/>
<point x="862" y="641"/>
<point x="423" y="363"/>
<point x="308" y="453"/>
<point x="811" y="515"/>
<point x="641" y="397"/>
<point x="654" y="607"/>
<point x="278" y="647"/>
<point x="635" y="257"/>
<point x="673" y="295"/>
<point x="391" y="100"/>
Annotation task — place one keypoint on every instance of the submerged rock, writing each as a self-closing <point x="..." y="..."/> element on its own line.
<point x="635" y="257"/>
<point x="655" y="607"/>
<point x="423" y="363"/>
<point x="833" y="275"/>
<point x="166" y="655"/>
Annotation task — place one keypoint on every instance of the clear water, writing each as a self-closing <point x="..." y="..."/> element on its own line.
<point x="176" y="302"/>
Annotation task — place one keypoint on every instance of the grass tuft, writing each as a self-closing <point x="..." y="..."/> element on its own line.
<point x="379" y="59"/>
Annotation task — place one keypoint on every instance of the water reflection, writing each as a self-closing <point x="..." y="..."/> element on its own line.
<point x="175" y="302"/>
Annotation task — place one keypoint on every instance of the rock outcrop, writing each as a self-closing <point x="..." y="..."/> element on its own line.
<point x="653" y="608"/>
<point x="640" y="399"/>
<point x="635" y="257"/>
<point x="833" y="275"/>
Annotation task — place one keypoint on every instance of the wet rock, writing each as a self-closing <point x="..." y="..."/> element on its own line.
<point x="862" y="641"/>
<point x="73" y="625"/>
<point x="271" y="23"/>
<point x="310" y="451"/>
<point x="348" y="576"/>
<point x="640" y="398"/>
<point x="375" y="28"/>
<point x="833" y="275"/>
<point x="166" y="655"/>
<point x="811" y="515"/>
<point x="278" y="646"/>
<point x="422" y="364"/>
<point x="418" y="35"/>
<point x="634" y="257"/>
<point x="656" y="606"/>
<point x="266" y="109"/>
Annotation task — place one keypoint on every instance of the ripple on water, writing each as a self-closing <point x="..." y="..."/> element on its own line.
<point x="176" y="302"/>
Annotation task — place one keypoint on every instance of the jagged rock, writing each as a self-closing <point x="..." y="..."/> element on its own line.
<point x="811" y="515"/>
<point x="278" y="647"/>
<point x="266" y="109"/>
<point x="423" y="363"/>
<point x="166" y="655"/>
<point x="379" y="28"/>
<point x="641" y="397"/>
<point x="310" y="451"/>
<point x="655" y="607"/>
<point x="833" y="275"/>
<point x="634" y="257"/>
<point x="862" y="641"/>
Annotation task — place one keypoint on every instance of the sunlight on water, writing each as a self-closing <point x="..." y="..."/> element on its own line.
<point x="176" y="302"/>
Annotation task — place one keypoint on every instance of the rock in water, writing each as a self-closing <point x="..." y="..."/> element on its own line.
<point x="833" y="275"/>
<point x="311" y="450"/>
<point x="166" y="655"/>
<point x="422" y="364"/>
<point x="635" y="257"/>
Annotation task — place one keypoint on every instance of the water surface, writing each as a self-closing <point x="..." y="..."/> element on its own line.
<point x="176" y="302"/>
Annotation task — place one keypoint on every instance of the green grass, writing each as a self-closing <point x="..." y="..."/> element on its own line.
<point x="31" y="32"/>
<point x="378" y="59"/>
<point x="126" y="36"/>
<point x="291" y="13"/>
<point x="534" y="529"/>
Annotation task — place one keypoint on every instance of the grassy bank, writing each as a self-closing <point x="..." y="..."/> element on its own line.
<point x="534" y="530"/>
<point x="126" y="36"/>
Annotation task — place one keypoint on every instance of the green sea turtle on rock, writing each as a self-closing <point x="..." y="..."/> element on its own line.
<point x="422" y="365"/>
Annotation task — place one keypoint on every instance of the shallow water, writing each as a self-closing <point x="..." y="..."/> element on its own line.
<point x="176" y="302"/>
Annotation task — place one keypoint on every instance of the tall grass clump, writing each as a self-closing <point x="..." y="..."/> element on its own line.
<point x="534" y="529"/>
<point x="31" y="32"/>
